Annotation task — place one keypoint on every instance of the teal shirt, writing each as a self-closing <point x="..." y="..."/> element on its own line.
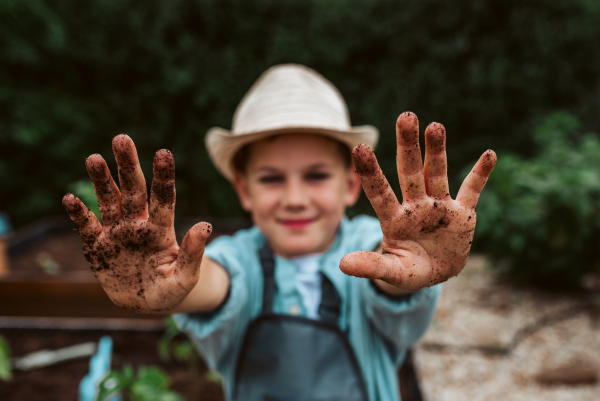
<point x="380" y="329"/>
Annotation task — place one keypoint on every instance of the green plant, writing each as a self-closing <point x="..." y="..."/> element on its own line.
<point x="539" y="218"/>
<point x="5" y="364"/>
<point x="47" y="263"/>
<point x="84" y="190"/>
<point x="149" y="384"/>
<point x="185" y="351"/>
<point x="166" y="341"/>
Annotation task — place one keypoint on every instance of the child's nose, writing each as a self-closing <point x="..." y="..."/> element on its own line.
<point x="295" y="195"/>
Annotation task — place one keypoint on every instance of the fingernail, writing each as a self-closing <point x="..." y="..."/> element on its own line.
<point x="164" y="165"/>
<point x="95" y="167"/>
<point x="407" y="129"/>
<point x="364" y="160"/>
<point x="489" y="161"/>
<point x="434" y="138"/>
<point x="124" y="150"/>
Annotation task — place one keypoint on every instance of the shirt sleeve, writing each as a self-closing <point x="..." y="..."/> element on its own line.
<point x="402" y="320"/>
<point x="219" y="334"/>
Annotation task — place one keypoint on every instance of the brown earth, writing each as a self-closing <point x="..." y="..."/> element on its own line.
<point x="64" y="248"/>
<point x="61" y="381"/>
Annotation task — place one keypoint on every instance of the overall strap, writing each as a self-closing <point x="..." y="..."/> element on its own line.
<point x="267" y="262"/>
<point x="329" y="309"/>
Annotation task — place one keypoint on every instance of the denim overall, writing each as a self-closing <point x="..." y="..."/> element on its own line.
<point x="291" y="358"/>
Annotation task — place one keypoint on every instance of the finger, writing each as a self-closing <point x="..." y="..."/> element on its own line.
<point x="87" y="223"/>
<point x="374" y="183"/>
<point x="472" y="186"/>
<point x="373" y="265"/>
<point x="435" y="171"/>
<point x="134" y="198"/>
<point x="408" y="157"/>
<point x="190" y="254"/>
<point x="107" y="192"/>
<point x="162" y="194"/>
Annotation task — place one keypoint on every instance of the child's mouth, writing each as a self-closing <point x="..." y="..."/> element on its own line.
<point x="296" y="223"/>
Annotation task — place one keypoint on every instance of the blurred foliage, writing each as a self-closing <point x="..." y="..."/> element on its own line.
<point x="181" y="347"/>
<point x="150" y="383"/>
<point x="47" y="263"/>
<point x="539" y="218"/>
<point x="84" y="190"/>
<point x="74" y="74"/>
<point x="5" y="364"/>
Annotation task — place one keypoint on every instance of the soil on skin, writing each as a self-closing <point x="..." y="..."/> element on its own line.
<point x="61" y="381"/>
<point x="66" y="249"/>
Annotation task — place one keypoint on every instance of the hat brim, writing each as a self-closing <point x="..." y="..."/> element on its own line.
<point x="222" y="145"/>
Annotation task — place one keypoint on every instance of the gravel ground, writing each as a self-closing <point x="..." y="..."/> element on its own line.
<point x="491" y="341"/>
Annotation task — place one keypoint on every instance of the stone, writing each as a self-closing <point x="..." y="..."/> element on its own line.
<point x="573" y="372"/>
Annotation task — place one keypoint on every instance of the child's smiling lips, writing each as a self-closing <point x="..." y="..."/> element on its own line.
<point x="296" y="223"/>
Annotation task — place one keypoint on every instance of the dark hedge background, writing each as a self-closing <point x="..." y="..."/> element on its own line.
<point x="75" y="73"/>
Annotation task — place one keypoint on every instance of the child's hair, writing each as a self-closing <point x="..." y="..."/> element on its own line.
<point x="240" y="159"/>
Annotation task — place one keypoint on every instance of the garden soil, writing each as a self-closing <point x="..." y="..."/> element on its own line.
<point x="61" y="381"/>
<point x="64" y="248"/>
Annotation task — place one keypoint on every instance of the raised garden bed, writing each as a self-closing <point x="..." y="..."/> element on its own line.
<point x="48" y="275"/>
<point x="50" y="299"/>
<point x="61" y="381"/>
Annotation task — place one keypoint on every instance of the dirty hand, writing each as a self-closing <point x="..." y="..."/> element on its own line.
<point x="135" y="255"/>
<point x="427" y="239"/>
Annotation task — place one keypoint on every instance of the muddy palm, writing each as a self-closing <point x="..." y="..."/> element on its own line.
<point x="134" y="254"/>
<point x="427" y="239"/>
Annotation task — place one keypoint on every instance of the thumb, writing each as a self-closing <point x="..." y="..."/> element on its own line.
<point x="374" y="265"/>
<point x="190" y="254"/>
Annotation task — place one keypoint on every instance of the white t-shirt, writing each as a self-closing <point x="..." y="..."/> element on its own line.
<point x="309" y="282"/>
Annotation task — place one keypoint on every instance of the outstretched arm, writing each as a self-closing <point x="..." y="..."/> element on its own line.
<point x="135" y="255"/>
<point x="426" y="239"/>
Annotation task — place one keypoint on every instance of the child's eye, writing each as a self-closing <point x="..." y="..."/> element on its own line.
<point x="270" y="179"/>
<point x="317" y="176"/>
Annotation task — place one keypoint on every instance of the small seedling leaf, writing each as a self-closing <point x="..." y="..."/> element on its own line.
<point x="5" y="366"/>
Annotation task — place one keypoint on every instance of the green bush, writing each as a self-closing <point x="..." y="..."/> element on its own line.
<point x="539" y="218"/>
<point x="73" y="74"/>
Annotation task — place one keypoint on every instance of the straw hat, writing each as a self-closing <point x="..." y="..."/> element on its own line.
<point x="286" y="99"/>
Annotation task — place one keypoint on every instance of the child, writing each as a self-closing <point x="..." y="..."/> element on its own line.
<point x="270" y="307"/>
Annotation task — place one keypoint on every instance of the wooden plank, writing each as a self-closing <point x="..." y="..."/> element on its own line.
<point x="71" y="296"/>
<point x="80" y="323"/>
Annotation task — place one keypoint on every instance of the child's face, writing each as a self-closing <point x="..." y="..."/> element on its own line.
<point x="297" y="188"/>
